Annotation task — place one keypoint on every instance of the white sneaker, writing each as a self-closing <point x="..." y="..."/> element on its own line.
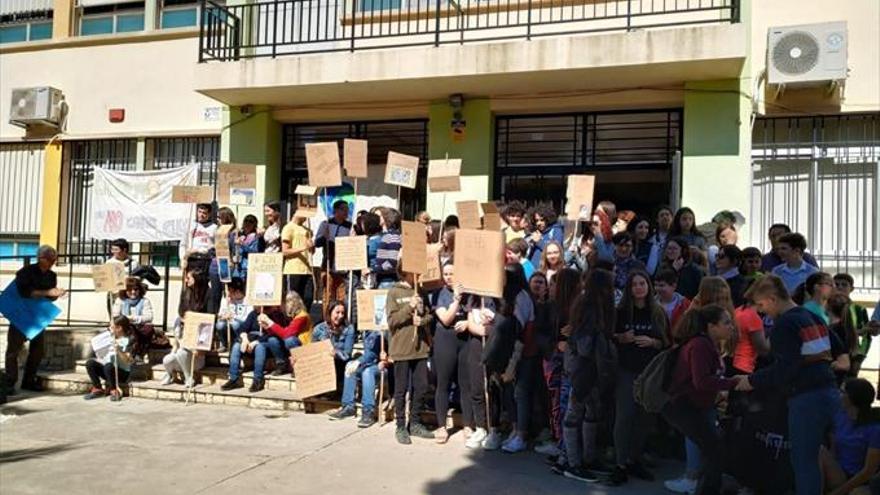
<point x="492" y="441"/>
<point x="168" y="380"/>
<point x="476" y="439"/>
<point x="514" y="445"/>
<point x="681" y="485"/>
<point x="548" y="448"/>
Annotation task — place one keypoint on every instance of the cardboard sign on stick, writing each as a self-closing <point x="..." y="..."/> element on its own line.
<point x="579" y="195"/>
<point x="192" y="194"/>
<point x="351" y="253"/>
<point x="109" y="277"/>
<point x="265" y="283"/>
<point x="314" y="368"/>
<point x="371" y="310"/>
<point x="221" y="241"/>
<point x="234" y="176"/>
<point x="415" y="246"/>
<point x="322" y="160"/>
<point x="198" y="331"/>
<point x="443" y="175"/>
<point x="355" y="158"/>
<point x="402" y="170"/>
<point x="433" y="276"/>
<point x="468" y="214"/>
<point x="306" y="201"/>
<point x="479" y="261"/>
<point x="491" y="216"/>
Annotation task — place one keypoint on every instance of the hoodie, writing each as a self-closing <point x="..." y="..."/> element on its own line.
<point x="408" y="342"/>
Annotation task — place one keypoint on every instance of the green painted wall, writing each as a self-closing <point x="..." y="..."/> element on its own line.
<point x="712" y="118"/>
<point x="254" y="138"/>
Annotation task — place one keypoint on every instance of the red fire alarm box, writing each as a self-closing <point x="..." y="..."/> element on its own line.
<point x="117" y="115"/>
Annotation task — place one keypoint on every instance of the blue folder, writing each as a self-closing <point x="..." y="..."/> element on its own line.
<point x="29" y="316"/>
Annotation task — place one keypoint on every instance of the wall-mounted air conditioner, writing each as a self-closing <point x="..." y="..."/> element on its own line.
<point x="807" y="55"/>
<point x="41" y="105"/>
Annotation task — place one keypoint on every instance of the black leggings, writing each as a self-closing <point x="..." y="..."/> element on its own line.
<point x="404" y="371"/>
<point x="304" y="285"/>
<point x="97" y="371"/>
<point x="450" y="356"/>
<point x="476" y="374"/>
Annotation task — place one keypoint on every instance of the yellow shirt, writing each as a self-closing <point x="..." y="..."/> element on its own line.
<point x="510" y="234"/>
<point x="297" y="236"/>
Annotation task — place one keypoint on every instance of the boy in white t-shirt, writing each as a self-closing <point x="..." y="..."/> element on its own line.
<point x="233" y="313"/>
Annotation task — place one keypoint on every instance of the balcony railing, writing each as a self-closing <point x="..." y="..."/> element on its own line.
<point x="295" y="27"/>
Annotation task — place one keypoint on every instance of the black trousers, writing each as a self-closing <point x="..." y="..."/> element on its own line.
<point x="97" y="371"/>
<point x="695" y="424"/>
<point x="415" y="370"/>
<point x="14" y="342"/>
<point x="304" y="285"/>
<point x="477" y="376"/>
<point x="450" y="361"/>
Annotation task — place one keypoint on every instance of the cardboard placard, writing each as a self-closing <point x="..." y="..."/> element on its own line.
<point x="234" y="176"/>
<point x="444" y="175"/>
<point x="468" y="214"/>
<point x="322" y="160"/>
<point x="221" y="241"/>
<point x="415" y="248"/>
<point x="192" y="194"/>
<point x="351" y="253"/>
<point x="401" y="170"/>
<point x="579" y="195"/>
<point x="371" y="309"/>
<point x="433" y="276"/>
<point x="265" y="284"/>
<point x="109" y="277"/>
<point x="314" y="369"/>
<point x="479" y="261"/>
<point x="102" y="345"/>
<point x="242" y="196"/>
<point x="491" y="216"/>
<point x="198" y="331"/>
<point x="306" y="201"/>
<point x="355" y="158"/>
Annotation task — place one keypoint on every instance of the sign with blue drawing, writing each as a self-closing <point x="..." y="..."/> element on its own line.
<point x="30" y="316"/>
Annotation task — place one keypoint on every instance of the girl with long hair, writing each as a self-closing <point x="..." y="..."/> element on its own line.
<point x="854" y="457"/>
<point x="552" y="259"/>
<point x="678" y="257"/>
<point x="684" y="224"/>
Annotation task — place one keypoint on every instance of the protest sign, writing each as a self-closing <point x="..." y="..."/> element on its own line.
<point x="198" y="331"/>
<point x="109" y="277"/>
<point x="479" y="261"/>
<point x="306" y="201"/>
<point x="30" y="316"/>
<point x="468" y="214"/>
<point x="351" y="253"/>
<point x="355" y="158"/>
<point x="192" y="194"/>
<point x="443" y="175"/>
<point x="371" y="309"/>
<point x="242" y="196"/>
<point x="491" y="216"/>
<point x="224" y="269"/>
<point x="579" y="196"/>
<point x="314" y="369"/>
<point x="264" y="280"/>
<point x="433" y="276"/>
<point x="415" y="245"/>
<point x="103" y="344"/>
<point x="322" y="161"/>
<point x="221" y="241"/>
<point x="234" y="176"/>
<point x="401" y="170"/>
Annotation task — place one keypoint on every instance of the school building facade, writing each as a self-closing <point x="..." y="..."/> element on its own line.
<point x="665" y="101"/>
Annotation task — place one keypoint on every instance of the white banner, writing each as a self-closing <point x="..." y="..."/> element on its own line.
<point x="137" y="206"/>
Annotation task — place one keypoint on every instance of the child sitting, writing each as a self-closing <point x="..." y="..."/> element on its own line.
<point x="116" y="365"/>
<point x="233" y="313"/>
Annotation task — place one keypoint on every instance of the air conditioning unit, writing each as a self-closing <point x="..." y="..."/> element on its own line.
<point x="40" y="105"/>
<point x="807" y="55"/>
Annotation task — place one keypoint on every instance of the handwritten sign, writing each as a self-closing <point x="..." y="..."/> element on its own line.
<point x="415" y="246"/>
<point x="242" y="196"/>
<point x="433" y="276"/>
<point x="479" y="261"/>
<point x="401" y="170"/>
<point x="192" y="194"/>
<point x="234" y="176"/>
<point x="102" y="344"/>
<point x="314" y="368"/>
<point x="443" y="175"/>
<point x="579" y="195"/>
<point x="264" y="280"/>
<point x="491" y="216"/>
<point x="351" y="253"/>
<point x="109" y="277"/>
<point x="198" y="331"/>
<point x="355" y="158"/>
<point x="468" y="214"/>
<point x="221" y="241"/>
<point x="371" y="309"/>
<point x="322" y="160"/>
<point x="306" y="201"/>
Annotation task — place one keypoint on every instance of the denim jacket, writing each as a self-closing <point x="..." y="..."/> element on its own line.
<point x="372" y="349"/>
<point x="343" y="343"/>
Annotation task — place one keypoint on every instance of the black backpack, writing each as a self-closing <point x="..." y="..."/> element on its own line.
<point x="651" y="387"/>
<point x="500" y="343"/>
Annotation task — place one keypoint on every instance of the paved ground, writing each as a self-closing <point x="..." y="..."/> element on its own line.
<point x="64" y="445"/>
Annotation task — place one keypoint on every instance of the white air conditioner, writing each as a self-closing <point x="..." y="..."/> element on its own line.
<point x="41" y="105"/>
<point x="807" y="55"/>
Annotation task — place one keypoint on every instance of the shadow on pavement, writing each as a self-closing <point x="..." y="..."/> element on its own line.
<point x="11" y="456"/>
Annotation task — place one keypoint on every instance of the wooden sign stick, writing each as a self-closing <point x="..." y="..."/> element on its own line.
<point x="192" y="370"/>
<point x="382" y="404"/>
<point x="485" y="374"/>
<point x="116" y="369"/>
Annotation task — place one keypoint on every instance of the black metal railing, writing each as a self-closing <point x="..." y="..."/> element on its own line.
<point x="291" y="27"/>
<point x="69" y="268"/>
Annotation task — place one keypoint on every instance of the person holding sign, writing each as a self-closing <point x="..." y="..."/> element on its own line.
<point x="223" y="246"/>
<point x="340" y="333"/>
<point x="384" y="266"/>
<point x="408" y="324"/>
<point x="252" y="339"/>
<point x="297" y="247"/>
<point x="282" y="337"/>
<point x="198" y="250"/>
<point x="115" y="366"/>
<point x="272" y="234"/>
<point x="133" y="304"/>
<point x="365" y="368"/>
<point x="338" y="226"/>
<point x="233" y="314"/>
<point x="32" y="281"/>
<point x="194" y="298"/>
<point x="246" y="243"/>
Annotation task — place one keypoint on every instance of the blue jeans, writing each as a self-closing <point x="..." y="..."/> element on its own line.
<point x="368" y="377"/>
<point x="282" y="354"/>
<point x="809" y="416"/>
<point x="693" y="462"/>
<point x="235" y="361"/>
<point x="220" y="330"/>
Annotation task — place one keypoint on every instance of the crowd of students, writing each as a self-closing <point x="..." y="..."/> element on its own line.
<point x="765" y="343"/>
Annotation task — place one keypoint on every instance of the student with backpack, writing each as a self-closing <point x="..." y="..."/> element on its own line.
<point x="591" y="363"/>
